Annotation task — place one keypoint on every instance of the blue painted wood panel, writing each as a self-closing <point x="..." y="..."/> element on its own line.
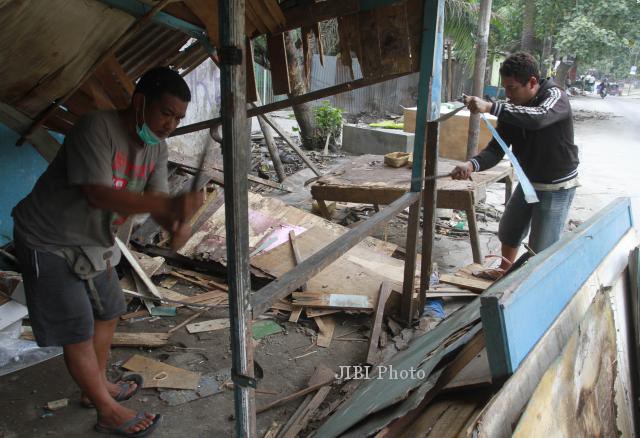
<point x="20" y="168"/>
<point x="518" y="310"/>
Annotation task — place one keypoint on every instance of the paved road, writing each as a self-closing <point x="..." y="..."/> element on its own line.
<point x="609" y="152"/>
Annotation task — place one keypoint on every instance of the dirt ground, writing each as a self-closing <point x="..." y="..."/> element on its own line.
<point x="608" y="146"/>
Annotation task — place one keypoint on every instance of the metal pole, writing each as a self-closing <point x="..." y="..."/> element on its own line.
<point x="235" y="145"/>
<point x="478" y="74"/>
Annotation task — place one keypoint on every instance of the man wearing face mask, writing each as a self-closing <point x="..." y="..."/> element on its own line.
<point x="112" y="164"/>
<point x="537" y="122"/>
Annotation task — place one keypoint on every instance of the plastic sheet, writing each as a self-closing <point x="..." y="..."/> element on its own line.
<point x="16" y="353"/>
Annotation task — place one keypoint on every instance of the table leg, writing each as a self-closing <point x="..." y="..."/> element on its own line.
<point x="324" y="211"/>
<point x="474" y="236"/>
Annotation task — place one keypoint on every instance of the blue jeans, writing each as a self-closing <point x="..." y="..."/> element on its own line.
<point x="545" y="218"/>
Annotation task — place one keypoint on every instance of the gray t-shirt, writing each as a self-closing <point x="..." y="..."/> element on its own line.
<point x="100" y="151"/>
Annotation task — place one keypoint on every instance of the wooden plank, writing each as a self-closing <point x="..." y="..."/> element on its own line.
<point x="466" y="355"/>
<point x="370" y="44"/>
<point x="394" y="38"/>
<point x="307" y="53"/>
<point x="376" y="326"/>
<point x="345" y="45"/>
<point x="290" y="281"/>
<point x="264" y="15"/>
<point x="472" y="284"/>
<point x="324" y="378"/>
<point x="110" y="80"/>
<point x="547" y="283"/>
<point x="160" y="375"/>
<point x="555" y="407"/>
<point x="324" y="300"/>
<point x="276" y="13"/>
<point x="121" y="339"/>
<point x="293" y="146"/>
<point x="316" y="32"/>
<point x="137" y="314"/>
<point x="133" y="262"/>
<point x="252" y="90"/>
<point x="296" y="254"/>
<point x="279" y="66"/>
<point x="253" y="20"/>
<point x="307" y="413"/>
<point x="209" y="326"/>
<point x="132" y="30"/>
<point x="312" y="313"/>
<point x="327" y="325"/>
<point x="414" y="27"/>
<point x="407" y="308"/>
<point x="185" y="322"/>
<point x="207" y="13"/>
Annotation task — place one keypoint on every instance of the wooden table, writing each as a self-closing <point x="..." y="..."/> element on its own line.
<point x="366" y="179"/>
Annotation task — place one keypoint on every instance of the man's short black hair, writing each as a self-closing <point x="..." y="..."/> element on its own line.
<point x="521" y="66"/>
<point x="159" y="80"/>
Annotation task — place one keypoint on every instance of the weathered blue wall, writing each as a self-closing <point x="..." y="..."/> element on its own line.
<point x="20" y="168"/>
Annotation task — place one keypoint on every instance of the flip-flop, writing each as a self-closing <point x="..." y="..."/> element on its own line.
<point x="121" y="430"/>
<point x="124" y="394"/>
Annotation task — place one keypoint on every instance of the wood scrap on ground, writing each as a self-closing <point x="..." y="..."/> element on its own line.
<point x="376" y="325"/>
<point x="160" y="375"/>
<point x="310" y="405"/>
<point x="327" y="326"/>
<point x="472" y="284"/>
<point x="209" y="326"/>
<point x="121" y="339"/>
<point x="324" y="376"/>
<point x="324" y="300"/>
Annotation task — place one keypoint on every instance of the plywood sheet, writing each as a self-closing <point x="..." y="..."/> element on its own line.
<point x="359" y="272"/>
<point x="160" y="375"/>
<point x="266" y="217"/>
<point x="44" y="58"/>
<point x="454" y="132"/>
<point x="576" y="396"/>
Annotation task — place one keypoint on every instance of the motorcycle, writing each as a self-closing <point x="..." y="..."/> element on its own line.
<point x="602" y="91"/>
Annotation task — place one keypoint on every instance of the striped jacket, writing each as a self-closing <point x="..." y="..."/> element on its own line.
<point x="540" y="135"/>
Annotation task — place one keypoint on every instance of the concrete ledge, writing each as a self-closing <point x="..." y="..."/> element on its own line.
<point x="366" y="140"/>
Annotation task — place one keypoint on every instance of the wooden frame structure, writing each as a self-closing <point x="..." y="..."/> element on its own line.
<point x="223" y="38"/>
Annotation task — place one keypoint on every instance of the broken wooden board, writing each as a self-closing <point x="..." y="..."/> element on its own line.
<point x="133" y="262"/>
<point x="577" y="394"/>
<point x="279" y="65"/>
<point x="324" y="300"/>
<point x="327" y="326"/>
<point x="359" y="272"/>
<point x="266" y="217"/>
<point x="209" y="326"/>
<point x="121" y="339"/>
<point x="472" y="284"/>
<point x="376" y="325"/>
<point x="307" y="408"/>
<point x="160" y="375"/>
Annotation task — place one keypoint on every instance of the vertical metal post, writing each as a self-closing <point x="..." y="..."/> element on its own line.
<point x="236" y="150"/>
<point x="429" y="89"/>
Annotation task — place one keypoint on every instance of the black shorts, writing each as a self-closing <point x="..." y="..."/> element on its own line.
<point x="61" y="306"/>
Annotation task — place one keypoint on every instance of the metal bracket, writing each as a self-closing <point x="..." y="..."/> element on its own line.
<point x="230" y="55"/>
<point x="244" y="381"/>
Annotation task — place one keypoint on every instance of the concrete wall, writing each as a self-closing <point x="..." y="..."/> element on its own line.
<point x="204" y="83"/>
<point x="20" y="168"/>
